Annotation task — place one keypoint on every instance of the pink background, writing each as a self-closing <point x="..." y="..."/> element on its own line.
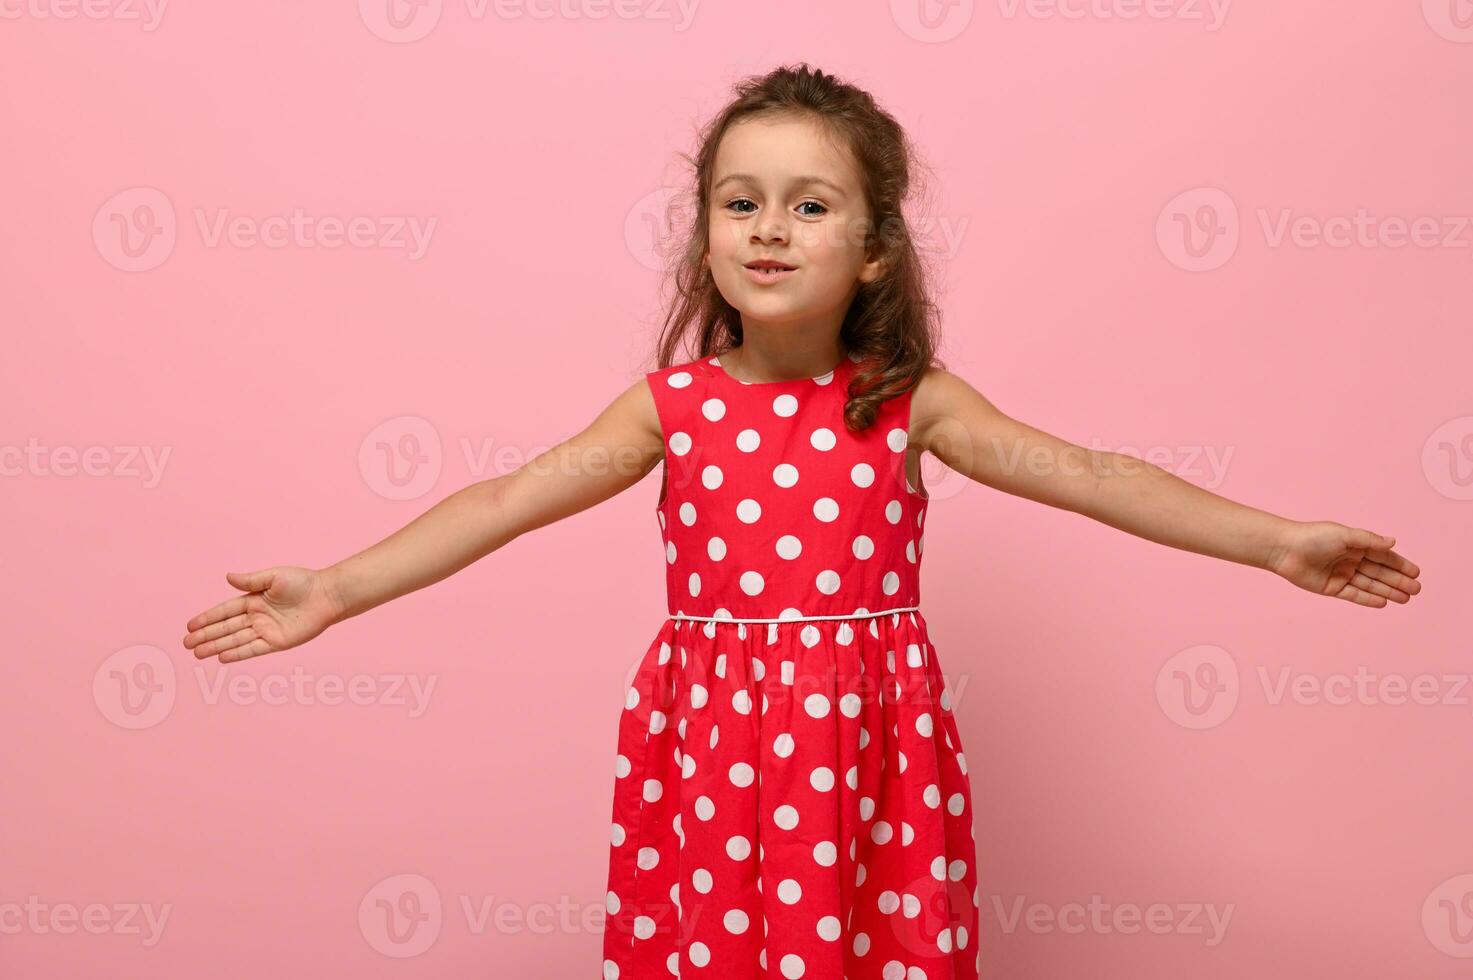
<point x="279" y="380"/>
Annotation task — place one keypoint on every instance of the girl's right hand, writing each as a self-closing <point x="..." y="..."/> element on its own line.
<point x="284" y="607"/>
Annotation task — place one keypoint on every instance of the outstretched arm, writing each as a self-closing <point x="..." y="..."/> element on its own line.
<point x="954" y="422"/>
<point x="285" y="606"/>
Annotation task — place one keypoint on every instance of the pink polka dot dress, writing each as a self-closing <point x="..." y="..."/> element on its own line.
<point x="790" y="795"/>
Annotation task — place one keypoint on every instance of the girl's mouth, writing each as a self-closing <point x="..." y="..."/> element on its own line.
<point x="767" y="274"/>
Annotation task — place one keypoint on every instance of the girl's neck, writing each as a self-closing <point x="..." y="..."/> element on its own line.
<point x="758" y="365"/>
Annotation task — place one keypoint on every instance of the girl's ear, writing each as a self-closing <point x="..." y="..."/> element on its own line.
<point x="872" y="269"/>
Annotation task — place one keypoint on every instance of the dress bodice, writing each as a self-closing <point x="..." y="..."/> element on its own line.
<point x="772" y="509"/>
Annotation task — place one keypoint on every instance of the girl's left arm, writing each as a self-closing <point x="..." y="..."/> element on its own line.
<point x="954" y="422"/>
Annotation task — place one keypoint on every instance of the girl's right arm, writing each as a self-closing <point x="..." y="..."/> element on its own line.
<point x="285" y="605"/>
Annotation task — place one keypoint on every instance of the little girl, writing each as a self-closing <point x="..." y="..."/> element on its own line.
<point x="791" y="798"/>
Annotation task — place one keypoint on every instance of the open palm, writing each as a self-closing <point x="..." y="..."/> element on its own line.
<point x="1348" y="563"/>
<point x="285" y="607"/>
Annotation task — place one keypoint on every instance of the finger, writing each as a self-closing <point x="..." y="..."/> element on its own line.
<point x="225" y="644"/>
<point x="229" y="607"/>
<point x="1393" y="560"/>
<point x="253" y="649"/>
<point x="1361" y="538"/>
<point x="1360" y="597"/>
<point x="1390" y="576"/>
<point x="251" y="581"/>
<point x="216" y="630"/>
<point x="1376" y="587"/>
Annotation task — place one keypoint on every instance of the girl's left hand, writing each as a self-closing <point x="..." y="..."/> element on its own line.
<point x="1349" y="563"/>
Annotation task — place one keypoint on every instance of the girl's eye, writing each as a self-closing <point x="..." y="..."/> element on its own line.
<point x="742" y="200"/>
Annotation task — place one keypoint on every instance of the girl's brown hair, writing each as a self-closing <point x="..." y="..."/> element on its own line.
<point x="891" y="326"/>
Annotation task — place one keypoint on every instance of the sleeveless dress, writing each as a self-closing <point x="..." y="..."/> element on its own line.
<point x="790" y="795"/>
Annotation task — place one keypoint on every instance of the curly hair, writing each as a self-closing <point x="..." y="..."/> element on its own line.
<point x="891" y="327"/>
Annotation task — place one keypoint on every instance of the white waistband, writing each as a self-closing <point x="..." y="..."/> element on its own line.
<point x="793" y="619"/>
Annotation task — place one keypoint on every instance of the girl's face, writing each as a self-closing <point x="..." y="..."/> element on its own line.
<point x="780" y="190"/>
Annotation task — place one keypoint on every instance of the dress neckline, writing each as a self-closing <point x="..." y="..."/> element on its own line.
<point x="833" y="373"/>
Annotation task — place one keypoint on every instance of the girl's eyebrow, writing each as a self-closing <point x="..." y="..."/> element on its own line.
<point x="799" y="181"/>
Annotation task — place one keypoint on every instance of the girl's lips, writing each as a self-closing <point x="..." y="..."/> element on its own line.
<point x="767" y="275"/>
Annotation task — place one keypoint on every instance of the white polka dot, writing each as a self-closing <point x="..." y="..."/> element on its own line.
<point x="932" y="796"/>
<point x="738" y="848"/>
<point x="957" y="870"/>
<point x="821" y="779"/>
<point x="789" y="891"/>
<point x="670" y="552"/>
<point x="622" y="767"/>
<point x="823" y="439"/>
<point x="923" y="724"/>
<point x="698" y="696"/>
<point x="616" y="835"/>
<point x="827" y="581"/>
<point x="861" y="943"/>
<point x="791" y="966"/>
<point x="825" y="853"/>
<point x="785" y="817"/>
<point x="705" y="809"/>
<point x="890" y="584"/>
<point x="653" y="790"/>
<point x="789" y="547"/>
<point x="782" y="746"/>
<point x="741" y="702"/>
<point x="741" y="774"/>
<point x="714" y="409"/>
<point x="644" y="927"/>
<point x="863" y="547"/>
<point x="716" y="549"/>
<point x="817" y="705"/>
<point x="785" y="475"/>
<point x="955" y="803"/>
<point x="647" y="858"/>
<point x="850" y="704"/>
<point x="748" y="511"/>
<point x="881" y="832"/>
<point x="889" y="901"/>
<point x="892" y="512"/>
<point x="695" y="583"/>
<point x="711" y="477"/>
<point x="784" y="406"/>
<point x="735" y="921"/>
<point x="702" y="880"/>
<point x="826" y="509"/>
<point x="862" y="474"/>
<point x="748" y="440"/>
<point x="680" y="443"/>
<point x="897" y="440"/>
<point x="699" y="954"/>
<point x="828" y="928"/>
